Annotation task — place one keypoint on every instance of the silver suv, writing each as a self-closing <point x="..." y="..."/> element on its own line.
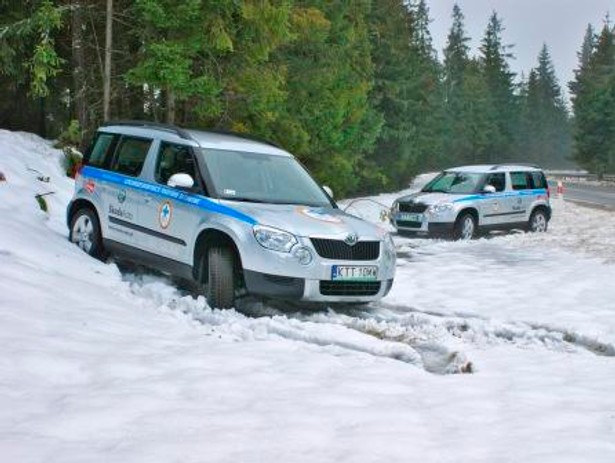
<point x="460" y="202"/>
<point x="234" y="214"/>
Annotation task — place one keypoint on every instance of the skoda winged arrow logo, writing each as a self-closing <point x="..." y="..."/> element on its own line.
<point x="351" y="239"/>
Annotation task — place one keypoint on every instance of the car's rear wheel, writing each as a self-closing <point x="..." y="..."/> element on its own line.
<point x="538" y="222"/>
<point x="85" y="233"/>
<point x="465" y="227"/>
<point x="220" y="289"/>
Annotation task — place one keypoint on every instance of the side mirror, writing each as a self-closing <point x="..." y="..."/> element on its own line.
<point x="181" y="181"/>
<point x="328" y="190"/>
<point x="489" y="189"/>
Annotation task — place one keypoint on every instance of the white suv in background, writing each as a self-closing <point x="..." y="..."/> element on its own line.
<point x="463" y="201"/>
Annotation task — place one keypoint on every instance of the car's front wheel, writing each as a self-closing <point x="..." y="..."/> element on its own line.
<point x="220" y="289"/>
<point x="538" y="222"/>
<point x="85" y="233"/>
<point x="465" y="227"/>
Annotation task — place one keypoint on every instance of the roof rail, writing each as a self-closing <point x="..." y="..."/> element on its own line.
<point x="243" y="135"/>
<point x="524" y="164"/>
<point x="154" y="125"/>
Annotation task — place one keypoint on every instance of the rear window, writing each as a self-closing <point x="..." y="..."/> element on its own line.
<point x="539" y="180"/>
<point x="521" y="180"/>
<point x="101" y="150"/>
<point x="130" y="155"/>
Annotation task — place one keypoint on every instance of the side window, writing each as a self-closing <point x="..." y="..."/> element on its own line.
<point x="130" y="155"/>
<point x="498" y="181"/>
<point x="520" y="180"/>
<point x="101" y="150"/>
<point x="175" y="159"/>
<point x="539" y="180"/>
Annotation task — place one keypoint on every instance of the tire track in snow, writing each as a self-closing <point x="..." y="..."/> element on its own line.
<point x="477" y="329"/>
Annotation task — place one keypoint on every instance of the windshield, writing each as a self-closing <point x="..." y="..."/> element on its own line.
<point x="262" y="178"/>
<point x="454" y="183"/>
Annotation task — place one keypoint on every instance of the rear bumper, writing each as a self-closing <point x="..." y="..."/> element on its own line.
<point x="282" y="287"/>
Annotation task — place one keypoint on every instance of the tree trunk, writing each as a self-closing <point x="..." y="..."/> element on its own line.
<point x="79" y="80"/>
<point x="107" y="74"/>
<point x="171" y="106"/>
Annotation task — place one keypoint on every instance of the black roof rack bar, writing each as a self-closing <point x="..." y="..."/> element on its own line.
<point x="524" y="164"/>
<point x="243" y="135"/>
<point x="154" y="125"/>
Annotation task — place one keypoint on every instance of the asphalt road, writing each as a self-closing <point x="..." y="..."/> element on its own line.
<point x="591" y="195"/>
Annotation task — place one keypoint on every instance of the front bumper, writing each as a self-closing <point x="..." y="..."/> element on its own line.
<point x="425" y="227"/>
<point x="282" y="287"/>
<point x="280" y="275"/>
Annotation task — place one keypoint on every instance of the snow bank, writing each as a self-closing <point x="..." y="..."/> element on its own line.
<point x="100" y="366"/>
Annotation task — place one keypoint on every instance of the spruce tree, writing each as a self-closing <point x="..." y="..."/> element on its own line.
<point x="494" y="55"/>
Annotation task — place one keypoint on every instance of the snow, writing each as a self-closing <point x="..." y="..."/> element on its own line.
<point x="100" y="365"/>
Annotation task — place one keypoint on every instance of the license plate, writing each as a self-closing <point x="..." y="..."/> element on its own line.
<point x="409" y="217"/>
<point x="354" y="273"/>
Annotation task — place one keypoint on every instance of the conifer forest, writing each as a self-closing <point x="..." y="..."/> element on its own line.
<point x="354" y="88"/>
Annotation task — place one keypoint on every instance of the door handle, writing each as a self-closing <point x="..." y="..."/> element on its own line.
<point x="147" y="199"/>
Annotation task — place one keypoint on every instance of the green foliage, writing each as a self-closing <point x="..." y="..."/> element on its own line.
<point x="594" y="103"/>
<point x="353" y="88"/>
<point x="42" y="202"/>
<point x="69" y="140"/>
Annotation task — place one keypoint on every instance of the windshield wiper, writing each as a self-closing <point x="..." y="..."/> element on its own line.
<point x="245" y="200"/>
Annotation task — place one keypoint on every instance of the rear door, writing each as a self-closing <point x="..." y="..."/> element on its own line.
<point x="520" y="199"/>
<point x="122" y="199"/>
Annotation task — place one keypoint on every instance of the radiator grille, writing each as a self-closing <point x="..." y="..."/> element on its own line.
<point x="412" y="207"/>
<point x="336" y="249"/>
<point x="349" y="288"/>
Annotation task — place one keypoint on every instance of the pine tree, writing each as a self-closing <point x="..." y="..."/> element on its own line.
<point x="594" y="104"/>
<point x="494" y="55"/>
<point x="545" y="122"/>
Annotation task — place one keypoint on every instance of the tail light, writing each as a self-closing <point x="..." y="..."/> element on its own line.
<point x="77" y="170"/>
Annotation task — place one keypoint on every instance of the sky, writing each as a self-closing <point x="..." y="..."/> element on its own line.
<point x="561" y="24"/>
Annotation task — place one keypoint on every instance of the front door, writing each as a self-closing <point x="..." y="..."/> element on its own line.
<point x="493" y="204"/>
<point x="170" y="214"/>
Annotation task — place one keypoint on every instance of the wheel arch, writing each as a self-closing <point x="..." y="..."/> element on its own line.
<point x="78" y="204"/>
<point x="469" y="210"/>
<point x="206" y="239"/>
<point x="541" y="207"/>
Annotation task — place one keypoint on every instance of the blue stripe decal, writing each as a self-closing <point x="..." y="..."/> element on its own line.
<point x="165" y="192"/>
<point x="537" y="192"/>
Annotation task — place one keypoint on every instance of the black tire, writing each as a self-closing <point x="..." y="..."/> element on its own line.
<point x="220" y="292"/>
<point x="465" y="227"/>
<point x="85" y="233"/>
<point x="539" y="221"/>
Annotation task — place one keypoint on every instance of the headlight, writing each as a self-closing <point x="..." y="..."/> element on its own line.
<point x="274" y="239"/>
<point x="389" y="247"/>
<point x="440" y="208"/>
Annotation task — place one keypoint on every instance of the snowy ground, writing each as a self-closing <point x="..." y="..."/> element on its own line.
<point x="103" y="366"/>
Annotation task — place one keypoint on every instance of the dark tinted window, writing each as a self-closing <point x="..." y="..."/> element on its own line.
<point x="101" y="150"/>
<point x="130" y="155"/>
<point x="521" y="180"/>
<point x="498" y="181"/>
<point x="539" y="180"/>
<point x="174" y="159"/>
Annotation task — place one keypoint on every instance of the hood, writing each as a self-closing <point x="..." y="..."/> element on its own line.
<point x="305" y="221"/>
<point x="430" y="198"/>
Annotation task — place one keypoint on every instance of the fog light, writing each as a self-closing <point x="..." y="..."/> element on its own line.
<point x="303" y="255"/>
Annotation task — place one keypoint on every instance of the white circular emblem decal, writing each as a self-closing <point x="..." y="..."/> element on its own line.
<point x="165" y="213"/>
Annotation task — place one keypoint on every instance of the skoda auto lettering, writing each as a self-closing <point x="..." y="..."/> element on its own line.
<point x="464" y="201"/>
<point x="233" y="214"/>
